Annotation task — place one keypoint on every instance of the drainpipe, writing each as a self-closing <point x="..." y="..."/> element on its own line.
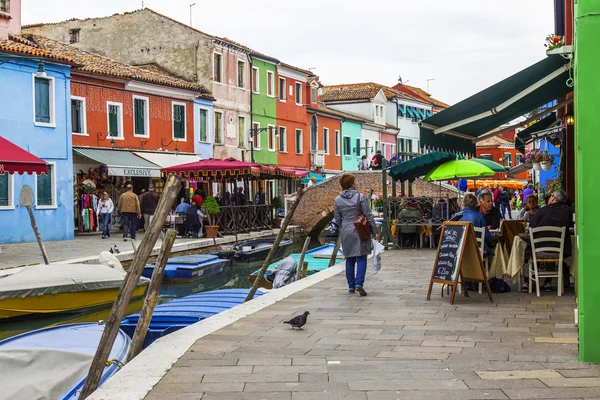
<point x="251" y="110"/>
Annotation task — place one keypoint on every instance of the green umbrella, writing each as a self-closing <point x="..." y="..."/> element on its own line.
<point x="494" y="166"/>
<point x="458" y="169"/>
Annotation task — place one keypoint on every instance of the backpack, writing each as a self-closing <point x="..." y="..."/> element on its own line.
<point x="498" y="286"/>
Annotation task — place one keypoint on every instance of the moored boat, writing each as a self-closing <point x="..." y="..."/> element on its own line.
<point x="317" y="259"/>
<point x="55" y="288"/>
<point x="177" y="314"/>
<point x="189" y="268"/>
<point x="255" y="251"/>
<point x="53" y="363"/>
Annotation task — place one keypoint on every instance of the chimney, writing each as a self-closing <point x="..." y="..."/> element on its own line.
<point x="10" y="17"/>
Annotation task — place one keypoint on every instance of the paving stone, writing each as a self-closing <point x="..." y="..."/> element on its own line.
<point x="297" y="387"/>
<point x="531" y="374"/>
<point x="293" y="369"/>
<point x="175" y="396"/>
<point x="556" y="340"/>
<point x="264" y="361"/>
<point x="407" y="385"/>
<point x="244" y="396"/>
<point x="504" y="383"/>
<point x="198" y="387"/>
<point x="580" y="373"/>
<point x="572" y="382"/>
<point x="437" y="343"/>
<point x="314" y="377"/>
<point x="329" y="395"/>
<point x="552" y="393"/>
<point x="438" y="394"/>
<point x="283" y="377"/>
<point x="413" y="356"/>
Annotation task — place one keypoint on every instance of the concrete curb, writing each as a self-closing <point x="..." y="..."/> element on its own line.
<point x="139" y="376"/>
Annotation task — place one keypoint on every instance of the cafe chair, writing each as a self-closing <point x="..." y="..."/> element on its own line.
<point x="480" y="235"/>
<point x="547" y="247"/>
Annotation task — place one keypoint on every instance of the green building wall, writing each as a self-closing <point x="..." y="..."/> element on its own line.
<point x="264" y="111"/>
<point x="354" y="131"/>
<point x="587" y="143"/>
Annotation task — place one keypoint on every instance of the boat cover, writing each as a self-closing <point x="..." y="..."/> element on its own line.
<point x="40" y="280"/>
<point x="285" y="272"/>
<point x="44" y="374"/>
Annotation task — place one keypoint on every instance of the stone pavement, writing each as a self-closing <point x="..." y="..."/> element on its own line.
<point x="392" y="344"/>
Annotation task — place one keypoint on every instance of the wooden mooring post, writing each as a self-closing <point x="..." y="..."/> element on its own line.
<point x="129" y="284"/>
<point x="301" y="261"/>
<point x="152" y="296"/>
<point x="338" y="241"/>
<point x="284" y="225"/>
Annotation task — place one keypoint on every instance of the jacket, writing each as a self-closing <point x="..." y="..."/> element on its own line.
<point x="492" y="218"/>
<point x="476" y="218"/>
<point x="105" y="207"/>
<point x="129" y="202"/>
<point x="149" y="202"/>
<point x="345" y="211"/>
<point x="555" y="214"/>
<point x="496" y="194"/>
<point x="363" y="165"/>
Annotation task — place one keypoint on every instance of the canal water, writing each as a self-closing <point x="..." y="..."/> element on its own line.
<point x="235" y="276"/>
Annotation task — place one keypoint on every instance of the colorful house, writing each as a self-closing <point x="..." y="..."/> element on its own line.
<point x="501" y="149"/>
<point x="35" y="116"/>
<point x="263" y="135"/>
<point x="351" y="139"/>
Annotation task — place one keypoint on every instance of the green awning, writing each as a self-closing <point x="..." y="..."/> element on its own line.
<point x="419" y="166"/>
<point x="539" y="84"/>
<point x="524" y="136"/>
<point x="120" y="162"/>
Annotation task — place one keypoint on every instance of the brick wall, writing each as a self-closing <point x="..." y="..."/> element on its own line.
<point x="315" y="210"/>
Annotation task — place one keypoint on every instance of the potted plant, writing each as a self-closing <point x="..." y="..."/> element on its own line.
<point x="554" y="42"/>
<point x="211" y="208"/>
<point x="534" y="157"/>
<point x="546" y="160"/>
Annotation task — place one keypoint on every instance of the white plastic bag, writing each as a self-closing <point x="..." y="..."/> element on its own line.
<point x="377" y="250"/>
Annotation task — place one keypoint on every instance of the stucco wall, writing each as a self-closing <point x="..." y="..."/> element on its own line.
<point x="333" y="162"/>
<point x="264" y="111"/>
<point x="203" y="149"/>
<point x="141" y="37"/>
<point x="353" y="130"/>
<point x="52" y="144"/>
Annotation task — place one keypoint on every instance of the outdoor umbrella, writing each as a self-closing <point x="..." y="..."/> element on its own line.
<point x="319" y="178"/>
<point x="494" y="166"/>
<point x="458" y="169"/>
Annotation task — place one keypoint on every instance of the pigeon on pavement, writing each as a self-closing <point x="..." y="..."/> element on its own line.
<point x="298" y="321"/>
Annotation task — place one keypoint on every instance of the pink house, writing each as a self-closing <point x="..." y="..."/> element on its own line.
<point x="10" y="17"/>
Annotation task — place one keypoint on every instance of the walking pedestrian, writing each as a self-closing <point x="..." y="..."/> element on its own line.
<point x="363" y="164"/>
<point x="505" y="203"/>
<point x="129" y="207"/>
<point x="104" y="211"/>
<point x="148" y="204"/>
<point x="347" y="207"/>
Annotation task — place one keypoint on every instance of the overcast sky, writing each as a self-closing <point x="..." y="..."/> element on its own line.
<point x="465" y="45"/>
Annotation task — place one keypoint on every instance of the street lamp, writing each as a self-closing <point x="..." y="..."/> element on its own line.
<point x="162" y="143"/>
<point x="112" y="140"/>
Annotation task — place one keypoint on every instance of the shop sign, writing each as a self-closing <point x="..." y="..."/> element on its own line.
<point x="138" y="172"/>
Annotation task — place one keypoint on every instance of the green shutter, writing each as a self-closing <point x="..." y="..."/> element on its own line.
<point x="42" y="100"/>
<point x="139" y="113"/>
<point x="4" y="190"/>
<point x="203" y="125"/>
<point x="179" y="121"/>
<point x="44" y="188"/>
<point x="113" y="121"/>
<point x="282" y="139"/>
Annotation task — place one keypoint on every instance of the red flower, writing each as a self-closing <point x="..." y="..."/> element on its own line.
<point x="555" y="40"/>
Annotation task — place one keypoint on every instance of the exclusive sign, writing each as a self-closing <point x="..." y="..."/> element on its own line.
<point x="139" y="172"/>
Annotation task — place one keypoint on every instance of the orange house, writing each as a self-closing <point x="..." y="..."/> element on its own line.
<point x="501" y="149"/>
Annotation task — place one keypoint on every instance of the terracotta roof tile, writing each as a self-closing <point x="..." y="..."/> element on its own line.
<point x="419" y="94"/>
<point x="357" y="91"/>
<point x="495" y="141"/>
<point x="324" y="109"/>
<point x="22" y="46"/>
<point x="95" y="64"/>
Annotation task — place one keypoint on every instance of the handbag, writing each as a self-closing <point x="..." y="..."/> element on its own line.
<point x="361" y="224"/>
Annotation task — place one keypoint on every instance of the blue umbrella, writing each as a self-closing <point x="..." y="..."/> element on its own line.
<point x="319" y="178"/>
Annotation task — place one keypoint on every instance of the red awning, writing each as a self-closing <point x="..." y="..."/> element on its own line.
<point x="214" y="168"/>
<point x="15" y="160"/>
<point x="293" y="172"/>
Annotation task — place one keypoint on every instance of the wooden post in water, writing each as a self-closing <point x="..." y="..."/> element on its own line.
<point x="152" y="295"/>
<point x="26" y="200"/>
<point x="335" y="250"/>
<point x="284" y="225"/>
<point x="301" y="261"/>
<point x="304" y="269"/>
<point x="129" y="284"/>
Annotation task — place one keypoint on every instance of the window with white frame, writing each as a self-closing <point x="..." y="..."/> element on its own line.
<point x="281" y="89"/>
<point x="508" y="160"/>
<point x="298" y="93"/>
<point x="256" y="135"/>
<point x="377" y="111"/>
<point x="241" y="78"/>
<point x="270" y="84"/>
<point x="518" y="158"/>
<point x="179" y="115"/>
<point x="401" y="145"/>
<point x="203" y="125"/>
<point x="7" y="186"/>
<point x="45" y="188"/>
<point x="115" y="119"/>
<point x="346" y="146"/>
<point x="313" y="94"/>
<point x="218" y="126"/>
<point x="255" y="82"/>
<point x="282" y="140"/>
<point x="141" y="122"/>
<point x="218" y="67"/>
<point x="337" y="143"/>
<point x="241" y="131"/>
<point x="298" y="141"/>
<point x="78" y="125"/>
<point x="271" y="137"/>
<point x="409" y="145"/>
<point x="5" y="6"/>
<point x="43" y="97"/>
<point x="326" y="140"/>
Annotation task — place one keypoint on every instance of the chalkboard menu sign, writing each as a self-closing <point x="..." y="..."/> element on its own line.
<point x="449" y="254"/>
<point x="458" y="259"/>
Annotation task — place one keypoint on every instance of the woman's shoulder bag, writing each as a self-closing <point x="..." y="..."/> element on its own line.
<point x="360" y="223"/>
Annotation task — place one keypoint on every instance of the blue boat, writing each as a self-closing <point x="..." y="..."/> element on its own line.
<point x="255" y="251"/>
<point x="53" y="362"/>
<point x="190" y="268"/>
<point x="177" y="314"/>
<point x="317" y="259"/>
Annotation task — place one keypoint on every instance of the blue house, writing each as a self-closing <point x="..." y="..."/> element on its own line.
<point x="203" y="123"/>
<point x="35" y="115"/>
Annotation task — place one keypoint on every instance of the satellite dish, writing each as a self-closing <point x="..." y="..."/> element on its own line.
<point x="26" y="196"/>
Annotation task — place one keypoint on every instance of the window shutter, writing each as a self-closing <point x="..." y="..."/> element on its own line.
<point x="42" y="100"/>
<point x="178" y="121"/>
<point x="4" y="192"/>
<point x="44" y="188"/>
<point x="203" y="125"/>
<point x="241" y="135"/>
<point x="139" y="115"/>
<point x="113" y="122"/>
<point x="76" y="116"/>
